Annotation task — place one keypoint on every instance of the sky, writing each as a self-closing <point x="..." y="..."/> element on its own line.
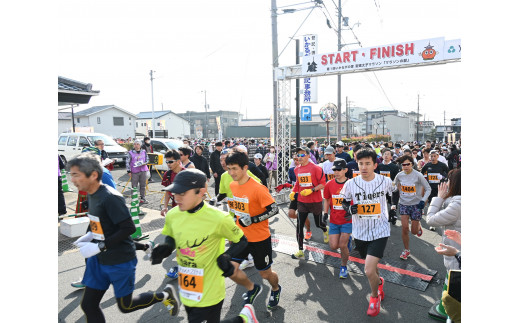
<point x="225" y="49"/>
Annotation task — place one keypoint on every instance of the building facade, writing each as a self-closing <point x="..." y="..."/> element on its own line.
<point x="107" y="119"/>
<point x="202" y="123"/>
<point x="167" y="124"/>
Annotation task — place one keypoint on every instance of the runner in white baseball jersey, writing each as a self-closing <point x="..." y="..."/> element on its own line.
<point x="365" y="200"/>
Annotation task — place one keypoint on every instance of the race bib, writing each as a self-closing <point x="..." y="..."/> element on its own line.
<point x="385" y="173"/>
<point x="336" y="202"/>
<point x="191" y="283"/>
<point x="369" y="211"/>
<point x="95" y="227"/>
<point x="241" y="206"/>
<point x="355" y="173"/>
<point x="231" y="205"/>
<point x="305" y="179"/>
<point x="330" y="177"/>
<point x="408" y="190"/>
<point x="434" y="177"/>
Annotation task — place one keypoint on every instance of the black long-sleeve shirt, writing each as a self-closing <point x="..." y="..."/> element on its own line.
<point x="214" y="163"/>
<point x="201" y="163"/>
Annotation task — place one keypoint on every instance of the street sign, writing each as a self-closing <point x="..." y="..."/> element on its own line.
<point x="306" y="113"/>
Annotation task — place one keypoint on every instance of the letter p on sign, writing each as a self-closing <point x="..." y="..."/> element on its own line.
<point x="305" y="113"/>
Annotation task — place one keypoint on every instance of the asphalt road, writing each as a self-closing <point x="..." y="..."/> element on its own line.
<point x="311" y="292"/>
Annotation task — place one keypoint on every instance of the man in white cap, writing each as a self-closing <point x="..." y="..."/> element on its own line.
<point x="258" y="162"/>
<point x="330" y="156"/>
<point x="340" y="153"/>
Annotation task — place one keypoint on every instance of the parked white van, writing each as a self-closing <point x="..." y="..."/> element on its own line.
<point x="161" y="146"/>
<point x="71" y="145"/>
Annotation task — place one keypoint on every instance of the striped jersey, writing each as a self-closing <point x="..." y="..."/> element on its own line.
<point x="371" y="221"/>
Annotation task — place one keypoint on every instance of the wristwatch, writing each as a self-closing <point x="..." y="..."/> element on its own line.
<point x="312" y="189"/>
<point x="101" y="246"/>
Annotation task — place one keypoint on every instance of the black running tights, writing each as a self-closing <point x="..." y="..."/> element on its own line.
<point x="92" y="299"/>
<point x="302" y="216"/>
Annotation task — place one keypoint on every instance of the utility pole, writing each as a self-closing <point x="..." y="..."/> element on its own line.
<point x="339" y="75"/>
<point x="347" y="115"/>
<point x="417" y="135"/>
<point x="383" y="122"/>
<point x="297" y="95"/>
<point x="153" y="113"/>
<point x="444" y="127"/>
<point x="274" y="33"/>
<point x="206" y="110"/>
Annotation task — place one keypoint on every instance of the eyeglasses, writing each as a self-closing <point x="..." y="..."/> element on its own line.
<point x="170" y="161"/>
<point x="407" y="164"/>
<point x="301" y="155"/>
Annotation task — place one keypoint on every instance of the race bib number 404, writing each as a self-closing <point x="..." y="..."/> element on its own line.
<point x="305" y="179"/>
<point x="191" y="283"/>
<point x="369" y="210"/>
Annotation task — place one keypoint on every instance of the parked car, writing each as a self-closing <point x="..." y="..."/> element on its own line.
<point x="71" y="145"/>
<point x="161" y="146"/>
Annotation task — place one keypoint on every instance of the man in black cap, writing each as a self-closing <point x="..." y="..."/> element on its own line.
<point x="198" y="232"/>
<point x="340" y="226"/>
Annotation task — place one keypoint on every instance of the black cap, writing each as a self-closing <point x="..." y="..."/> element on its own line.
<point x="339" y="164"/>
<point x="186" y="180"/>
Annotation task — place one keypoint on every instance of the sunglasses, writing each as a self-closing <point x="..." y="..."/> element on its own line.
<point x="407" y="164"/>
<point x="170" y="161"/>
<point x="301" y="155"/>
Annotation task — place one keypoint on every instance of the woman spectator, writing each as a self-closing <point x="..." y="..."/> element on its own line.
<point x="445" y="212"/>
<point x="200" y="162"/>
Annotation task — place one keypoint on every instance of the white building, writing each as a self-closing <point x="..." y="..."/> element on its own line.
<point x="107" y="119"/>
<point x="175" y="125"/>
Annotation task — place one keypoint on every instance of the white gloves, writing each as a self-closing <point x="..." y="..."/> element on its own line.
<point x="86" y="238"/>
<point x="89" y="249"/>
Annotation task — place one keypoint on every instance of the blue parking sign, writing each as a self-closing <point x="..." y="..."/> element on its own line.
<point x="306" y="113"/>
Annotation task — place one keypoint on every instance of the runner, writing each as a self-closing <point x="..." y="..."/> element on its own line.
<point x="227" y="195"/>
<point x="340" y="145"/>
<point x="173" y="161"/>
<point x="185" y="154"/>
<point x="328" y="163"/>
<point x="340" y="226"/>
<point x="293" y="206"/>
<point x="353" y="168"/>
<point x="108" y="247"/>
<point x="370" y="225"/>
<point x="254" y="205"/>
<point x="198" y="232"/>
<point x="434" y="172"/>
<point x="310" y="182"/>
<point x="411" y="201"/>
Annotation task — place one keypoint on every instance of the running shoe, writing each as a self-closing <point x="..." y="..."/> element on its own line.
<point x="274" y="298"/>
<point x="143" y="201"/>
<point x="298" y="255"/>
<point x="308" y="235"/>
<point x="374" y="306"/>
<point x="78" y="284"/>
<point x="326" y="236"/>
<point x="246" y="264"/>
<point x="405" y="254"/>
<point x="173" y="273"/>
<point x="171" y="302"/>
<point x="343" y="272"/>
<point x="380" y="291"/>
<point x="250" y="296"/>
<point x="248" y="314"/>
<point x="419" y="233"/>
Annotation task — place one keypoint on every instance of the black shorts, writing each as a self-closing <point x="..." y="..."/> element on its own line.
<point x="262" y="252"/>
<point x="210" y="314"/>
<point x="374" y="248"/>
<point x="314" y="208"/>
<point x="293" y="205"/>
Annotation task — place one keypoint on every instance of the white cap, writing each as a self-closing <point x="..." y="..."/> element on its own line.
<point x="258" y="156"/>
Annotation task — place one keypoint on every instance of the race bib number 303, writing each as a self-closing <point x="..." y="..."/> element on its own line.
<point x="191" y="283"/>
<point x="241" y="206"/>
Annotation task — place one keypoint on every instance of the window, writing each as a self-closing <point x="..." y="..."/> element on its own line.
<point x="77" y="119"/>
<point x="72" y="141"/>
<point x="99" y="120"/>
<point x="158" y="124"/>
<point x="158" y="146"/>
<point x="119" y="121"/>
<point x="62" y="140"/>
<point x="136" y="124"/>
<point x="83" y="142"/>
<point x="130" y="118"/>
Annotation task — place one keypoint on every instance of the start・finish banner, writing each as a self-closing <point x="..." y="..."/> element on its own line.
<point x="413" y="52"/>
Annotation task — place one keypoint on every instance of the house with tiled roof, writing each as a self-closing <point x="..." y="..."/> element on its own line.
<point x="72" y="92"/>
<point x="167" y="124"/>
<point x="107" y="119"/>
